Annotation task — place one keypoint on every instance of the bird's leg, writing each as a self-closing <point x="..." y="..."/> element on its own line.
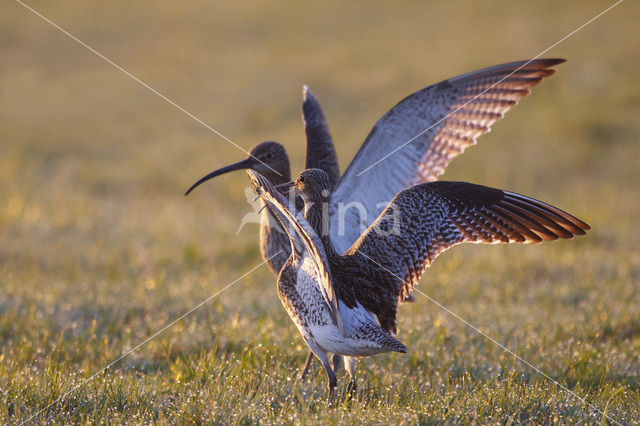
<point x="350" y="364"/>
<point x="307" y="364"/>
<point x="336" y="362"/>
<point x="333" y="381"/>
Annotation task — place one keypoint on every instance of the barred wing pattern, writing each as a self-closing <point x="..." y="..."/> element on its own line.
<point x="420" y="136"/>
<point x="305" y="243"/>
<point x="432" y="217"/>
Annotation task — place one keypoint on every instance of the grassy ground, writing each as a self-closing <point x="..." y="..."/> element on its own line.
<point x="99" y="249"/>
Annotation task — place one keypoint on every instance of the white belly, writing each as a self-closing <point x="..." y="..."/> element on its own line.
<point x="314" y="321"/>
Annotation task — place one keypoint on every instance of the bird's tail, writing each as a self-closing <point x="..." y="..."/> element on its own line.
<point x="395" y="345"/>
<point x="390" y="343"/>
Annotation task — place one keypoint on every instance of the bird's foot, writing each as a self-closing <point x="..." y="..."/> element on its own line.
<point x="332" y="396"/>
<point x="352" y="387"/>
<point x="333" y="383"/>
<point x="303" y="375"/>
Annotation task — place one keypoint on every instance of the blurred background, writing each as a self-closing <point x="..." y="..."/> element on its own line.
<point x="99" y="247"/>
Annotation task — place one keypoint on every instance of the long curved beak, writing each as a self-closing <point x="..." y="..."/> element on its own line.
<point x="240" y="165"/>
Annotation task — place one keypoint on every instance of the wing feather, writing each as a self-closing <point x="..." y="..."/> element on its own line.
<point x="430" y="218"/>
<point x="303" y="239"/>
<point x="417" y="139"/>
<point x="321" y="153"/>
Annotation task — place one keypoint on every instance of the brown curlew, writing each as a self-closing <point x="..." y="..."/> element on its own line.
<point x="346" y="304"/>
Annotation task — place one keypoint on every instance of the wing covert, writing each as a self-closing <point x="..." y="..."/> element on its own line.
<point x="427" y="219"/>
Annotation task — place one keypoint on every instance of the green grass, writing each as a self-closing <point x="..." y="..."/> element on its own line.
<point x="99" y="249"/>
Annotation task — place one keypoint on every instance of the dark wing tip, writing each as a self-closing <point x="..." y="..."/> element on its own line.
<point x="534" y="69"/>
<point x="557" y="61"/>
<point x="494" y="216"/>
<point x="540" y="63"/>
<point x="549" y="62"/>
<point x="552" y="221"/>
<point x="307" y="94"/>
<point x="311" y="110"/>
<point x="538" y="69"/>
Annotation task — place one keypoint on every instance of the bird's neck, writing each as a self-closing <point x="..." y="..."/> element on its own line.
<point x="316" y="212"/>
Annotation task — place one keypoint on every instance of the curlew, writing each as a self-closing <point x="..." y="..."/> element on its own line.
<point x="431" y="126"/>
<point x="347" y="304"/>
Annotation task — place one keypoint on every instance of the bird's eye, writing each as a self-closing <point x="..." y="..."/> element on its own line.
<point x="301" y="179"/>
<point x="268" y="156"/>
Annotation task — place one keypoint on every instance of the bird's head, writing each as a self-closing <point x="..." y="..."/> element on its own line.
<point x="313" y="185"/>
<point x="270" y="159"/>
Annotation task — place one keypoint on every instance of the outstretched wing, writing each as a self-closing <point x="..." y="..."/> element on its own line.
<point x="321" y="153"/>
<point x="415" y="141"/>
<point x="425" y="220"/>
<point x="304" y="241"/>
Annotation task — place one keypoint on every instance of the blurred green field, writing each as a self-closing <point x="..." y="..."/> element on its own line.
<point x="99" y="249"/>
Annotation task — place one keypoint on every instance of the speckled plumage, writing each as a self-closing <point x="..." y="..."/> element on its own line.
<point x="333" y="299"/>
<point x="420" y="136"/>
<point x="305" y="288"/>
